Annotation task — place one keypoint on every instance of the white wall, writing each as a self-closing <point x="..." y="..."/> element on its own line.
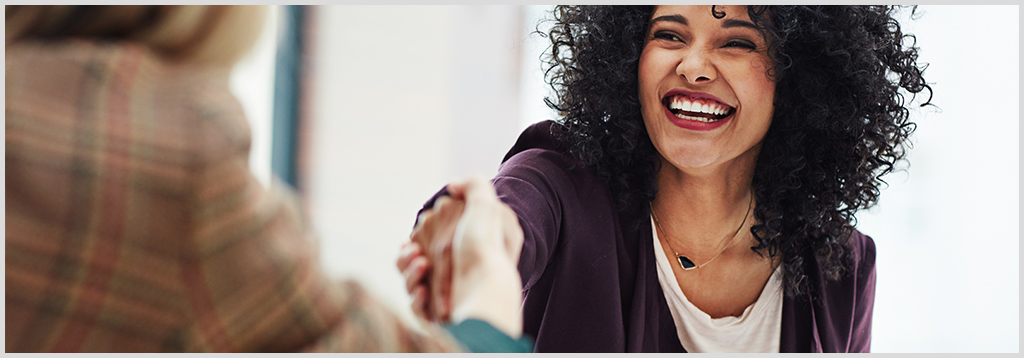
<point x="252" y="81"/>
<point x="407" y="98"/>
<point x="947" y="229"/>
<point x="533" y="90"/>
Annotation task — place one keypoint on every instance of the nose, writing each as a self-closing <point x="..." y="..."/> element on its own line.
<point x="696" y="67"/>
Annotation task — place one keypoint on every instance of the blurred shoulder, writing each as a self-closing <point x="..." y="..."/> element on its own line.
<point x="93" y="87"/>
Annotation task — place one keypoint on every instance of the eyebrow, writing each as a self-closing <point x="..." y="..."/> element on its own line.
<point x="728" y="23"/>
<point x="674" y="18"/>
<point x="738" y="23"/>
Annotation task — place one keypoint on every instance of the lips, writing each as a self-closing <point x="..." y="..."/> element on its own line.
<point x="697" y="109"/>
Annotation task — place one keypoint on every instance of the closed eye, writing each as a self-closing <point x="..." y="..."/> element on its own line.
<point x="741" y="44"/>
<point x="665" y="35"/>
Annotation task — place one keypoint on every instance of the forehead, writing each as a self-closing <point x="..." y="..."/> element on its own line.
<point x="698" y="11"/>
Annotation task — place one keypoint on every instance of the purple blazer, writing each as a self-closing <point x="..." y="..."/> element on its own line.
<point x="589" y="279"/>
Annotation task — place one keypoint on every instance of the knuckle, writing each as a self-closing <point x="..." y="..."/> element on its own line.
<point x="441" y="202"/>
<point x="417" y="237"/>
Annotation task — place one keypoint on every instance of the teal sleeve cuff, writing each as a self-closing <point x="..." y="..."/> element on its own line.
<point x="480" y="337"/>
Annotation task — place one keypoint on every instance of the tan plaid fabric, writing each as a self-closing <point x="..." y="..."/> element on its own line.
<point x="134" y="225"/>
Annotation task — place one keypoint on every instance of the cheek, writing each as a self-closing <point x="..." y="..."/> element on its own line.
<point x="655" y="65"/>
<point x="652" y="69"/>
<point x="757" y="92"/>
<point x="767" y="91"/>
<point x="761" y="84"/>
<point x="645" y="73"/>
<point x="763" y="93"/>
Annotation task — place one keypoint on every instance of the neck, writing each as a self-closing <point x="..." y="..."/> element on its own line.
<point x="701" y="209"/>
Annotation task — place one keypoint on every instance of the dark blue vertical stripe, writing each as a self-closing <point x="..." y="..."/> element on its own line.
<point x="287" y="91"/>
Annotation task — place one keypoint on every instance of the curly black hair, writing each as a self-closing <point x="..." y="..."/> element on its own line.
<point x="840" y="117"/>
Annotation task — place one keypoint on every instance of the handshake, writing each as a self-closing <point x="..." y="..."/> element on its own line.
<point x="461" y="260"/>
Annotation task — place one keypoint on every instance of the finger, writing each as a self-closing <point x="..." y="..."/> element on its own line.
<point x="408" y="251"/>
<point x="460" y="189"/>
<point x="457" y="188"/>
<point x="444" y="302"/>
<point x="421" y="234"/>
<point x="473" y="188"/>
<point x="446" y="218"/>
<point x="423" y="216"/>
<point x="441" y="202"/>
<point x="419" y="303"/>
<point x="440" y="282"/>
<point x="445" y="208"/>
<point x="415" y="273"/>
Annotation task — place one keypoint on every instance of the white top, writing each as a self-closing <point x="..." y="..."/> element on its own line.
<point x="758" y="329"/>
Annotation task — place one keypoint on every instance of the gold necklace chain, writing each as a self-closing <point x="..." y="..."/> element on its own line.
<point x="684" y="261"/>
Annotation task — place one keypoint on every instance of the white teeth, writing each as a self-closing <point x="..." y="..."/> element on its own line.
<point x="692" y="106"/>
<point x="699" y="119"/>
<point x="681" y="103"/>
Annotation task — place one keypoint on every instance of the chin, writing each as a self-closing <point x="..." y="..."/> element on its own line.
<point x="693" y="158"/>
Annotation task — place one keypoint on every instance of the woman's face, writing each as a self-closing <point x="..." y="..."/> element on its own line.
<point x="704" y="92"/>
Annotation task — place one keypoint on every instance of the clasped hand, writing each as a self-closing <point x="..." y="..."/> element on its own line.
<point x="461" y="260"/>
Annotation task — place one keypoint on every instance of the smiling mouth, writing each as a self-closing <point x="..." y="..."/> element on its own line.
<point x="701" y="110"/>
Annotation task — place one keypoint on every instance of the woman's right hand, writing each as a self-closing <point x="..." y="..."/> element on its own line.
<point x="478" y="237"/>
<point x="483" y="260"/>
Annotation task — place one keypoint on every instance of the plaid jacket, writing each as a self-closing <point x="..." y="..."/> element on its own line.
<point x="134" y="225"/>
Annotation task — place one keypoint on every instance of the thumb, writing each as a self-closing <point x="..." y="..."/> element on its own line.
<point x="473" y="188"/>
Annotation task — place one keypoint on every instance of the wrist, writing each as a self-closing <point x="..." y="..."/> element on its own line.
<point x="491" y="291"/>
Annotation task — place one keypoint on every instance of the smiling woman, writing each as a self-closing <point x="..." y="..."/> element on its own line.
<point x="717" y="65"/>
<point x="697" y="193"/>
<point x="691" y="56"/>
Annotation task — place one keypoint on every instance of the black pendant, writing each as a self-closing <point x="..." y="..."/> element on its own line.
<point x="686" y="263"/>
